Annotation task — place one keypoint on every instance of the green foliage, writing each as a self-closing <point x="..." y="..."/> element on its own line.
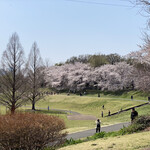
<point x="97" y="136"/>
<point x="98" y="60"/>
<point x="80" y="58"/>
<point x="114" y="58"/>
<point x="139" y="124"/>
<point x="112" y="134"/>
<point x="72" y="142"/>
<point x="95" y="60"/>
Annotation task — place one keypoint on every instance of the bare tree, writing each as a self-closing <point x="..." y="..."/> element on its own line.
<point x="47" y="63"/>
<point x="145" y="7"/>
<point x="12" y="75"/>
<point x="34" y="75"/>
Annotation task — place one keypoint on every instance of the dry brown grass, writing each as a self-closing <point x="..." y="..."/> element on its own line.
<point x="136" y="141"/>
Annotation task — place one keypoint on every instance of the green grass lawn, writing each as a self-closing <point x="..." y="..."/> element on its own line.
<point x="3" y="109"/>
<point x="91" y="105"/>
<point x="138" y="95"/>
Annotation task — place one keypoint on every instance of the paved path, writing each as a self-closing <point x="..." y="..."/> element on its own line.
<point x="86" y="133"/>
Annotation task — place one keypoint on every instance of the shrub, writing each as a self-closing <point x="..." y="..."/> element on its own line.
<point x="72" y="142"/>
<point x="98" y="135"/>
<point x="139" y="124"/>
<point x="30" y="131"/>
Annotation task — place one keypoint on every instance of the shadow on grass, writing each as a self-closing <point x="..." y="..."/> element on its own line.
<point x="51" y="112"/>
<point x="47" y="111"/>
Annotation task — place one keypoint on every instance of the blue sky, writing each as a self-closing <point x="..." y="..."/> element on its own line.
<point x="65" y="28"/>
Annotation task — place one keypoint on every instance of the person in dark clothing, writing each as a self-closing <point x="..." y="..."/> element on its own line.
<point x="134" y="114"/>
<point x="109" y="113"/>
<point x="98" y="126"/>
<point x="103" y="106"/>
<point x="102" y="114"/>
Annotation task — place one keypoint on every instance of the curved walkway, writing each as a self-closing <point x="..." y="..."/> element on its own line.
<point x="86" y="133"/>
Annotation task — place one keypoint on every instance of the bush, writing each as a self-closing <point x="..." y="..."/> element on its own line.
<point x="30" y="131"/>
<point x="139" y="124"/>
<point x="98" y="135"/>
<point x="72" y="142"/>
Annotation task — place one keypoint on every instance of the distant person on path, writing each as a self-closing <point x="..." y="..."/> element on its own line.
<point x="134" y="114"/>
<point x="80" y="94"/>
<point x="102" y="114"/>
<point x="109" y="113"/>
<point x="98" y="126"/>
<point x="98" y="94"/>
<point x="131" y="97"/>
<point x="103" y="106"/>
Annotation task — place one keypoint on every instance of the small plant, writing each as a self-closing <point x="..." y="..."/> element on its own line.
<point x="98" y="135"/>
<point x="30" y="131"/>
<point x="72" y="142"/>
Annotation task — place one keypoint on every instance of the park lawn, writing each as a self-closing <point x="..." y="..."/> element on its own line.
<point x="3" y="110"/>
<point x="134" y="141"/>
<point x="85" y="104"/>
<point x="91" y="106"/>
<point x="80" y="125"/>
<point x="138" y="95"/>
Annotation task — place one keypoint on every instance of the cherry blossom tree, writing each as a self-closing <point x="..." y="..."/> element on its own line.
<point x="80" y="76"/>
<point x="142" y="63"/>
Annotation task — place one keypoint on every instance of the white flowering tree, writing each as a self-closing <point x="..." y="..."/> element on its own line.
<point x="142" y="63"/>
<point x="80" y="76"/>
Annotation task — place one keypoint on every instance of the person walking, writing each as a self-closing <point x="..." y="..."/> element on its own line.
<point x="103" y="106"/>
<point x="109" y="113"/>
<point x="134" y="114"/>
<point x="102" y="114"/>
<point x="98" y="126"/>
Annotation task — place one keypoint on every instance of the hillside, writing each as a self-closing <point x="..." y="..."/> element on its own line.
<point x="134" y="141"/>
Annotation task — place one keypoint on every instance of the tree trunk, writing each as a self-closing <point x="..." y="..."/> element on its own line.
<point x="33" y="106"/>
<point x="13" y="109"/>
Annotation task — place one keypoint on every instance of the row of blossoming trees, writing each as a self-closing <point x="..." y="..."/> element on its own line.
<point x="79" y="76"/>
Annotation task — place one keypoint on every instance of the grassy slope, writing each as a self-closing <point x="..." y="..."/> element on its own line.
<point x="126" y="142"/>
<point x="139" y="95"/>
<point x="91" y="104"/>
